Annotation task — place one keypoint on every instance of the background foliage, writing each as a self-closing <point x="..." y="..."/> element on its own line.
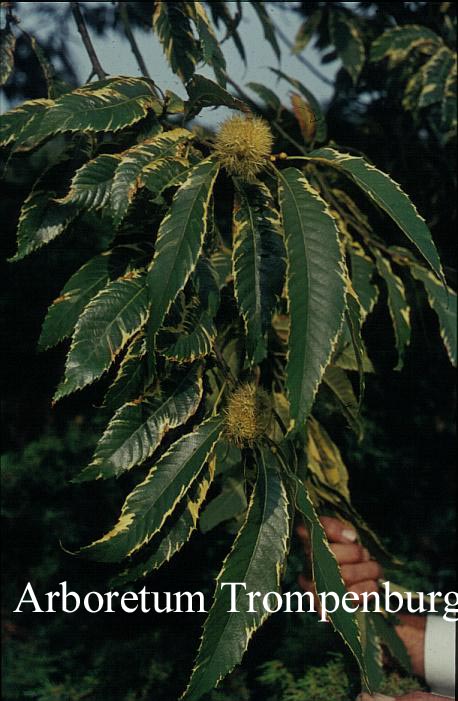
<point x="412" y="456"/>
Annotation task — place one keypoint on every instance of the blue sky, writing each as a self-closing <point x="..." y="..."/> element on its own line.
<point x="117" y="59"/>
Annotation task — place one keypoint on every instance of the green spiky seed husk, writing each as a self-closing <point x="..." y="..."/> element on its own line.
<point x="248" y="415"/>
<point x="243" y="145"/>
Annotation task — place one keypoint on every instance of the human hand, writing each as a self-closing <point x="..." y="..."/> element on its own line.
<point x="359" y="572"/>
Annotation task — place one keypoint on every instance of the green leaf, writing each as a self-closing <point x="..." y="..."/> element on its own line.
<point x="267" y="26"/>
<point x="397" y="304"/>
<point x="258" y="264"/>
<point x="211" y="51"/>
<point x="203" y="92"/>
<point x="327" y="578"/>
<point x="63" y="313"/>
<point x="221" y="12"/>
<point x="146" y="508"/>
<point x="397" y="42"/>
<point x="91" y="184"/>
<point x="56" y="87"/>
<point x="391" y="639"/>
<point x="109" y="106"/>
<point x="306" y="31"/>
<point x="7" y="46"/>
<point x="266" y="94"/>
<point x="257" y="559"/>
<point x="387" y="194"/>
<point x="443" y="301"/>
<point x="150" y="162"/>
<point x="347" y="39"/>
<point x="338" y="382"/>
<point x="179" y="242"/>
<point x="228" y="457"/>
<point x="321" y="127"/>
<point x="41" y="220"/>
<point x="315" y="289"/>
<point x="138" y="427"/>
<point x="110" y="319"/>
<point x="229" y="503"/>
<point x="352" y="329"/>
<point x="172" y="25"/>
<point x="175" y="532"/>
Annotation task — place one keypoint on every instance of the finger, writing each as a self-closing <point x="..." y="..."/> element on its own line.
<point x="349" y="554"/>
<point x="305" y="583"/>
<point x="351" y="574"/>
<point x="303" y="533"/>
<point x="361" y="588"/>
<point x="337" y="531"/>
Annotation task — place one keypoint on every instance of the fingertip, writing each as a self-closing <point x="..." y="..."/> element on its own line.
<point x="349" y="535"/>
<point x="301" y="531"/>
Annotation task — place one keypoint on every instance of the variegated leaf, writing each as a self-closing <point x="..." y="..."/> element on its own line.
<point x="347" y="39"/>
<point x="315" y="289"/>
<point x="306" y="31"/>
<point x="138" y="427"/>
<point x="397" y="304"/>
<point x="7" y="46"/>
<point x="63" y="313"/>
<point x="362" y="273"/>
<point x="111" y="105"/>
<point x="91" y="184"/>
<point x="110" y="319"/>
<point x="339" y="384"/>
<point x="175" y="532"/>
<point x="149" y="162"/>
<point x="389" y="196"/>
<point x="179" y="242"/>
<point x="132" y="376"/>
<point x="443" y="300"/>
<point x="327" y="578"/>
<point x="435" y="74"/>
<point x="146" y="508"/>
<point x="172" y="25"/>
<point x="371" y="642"/>
<point x="211" y="51"/>
<point x="41" y="220"/>
<point x="14" y="122"/>
<point x="324" y="459"/>
<point x="257" y="559"/>
<point x="258" y="264"/>
<point x="398" y="42"/>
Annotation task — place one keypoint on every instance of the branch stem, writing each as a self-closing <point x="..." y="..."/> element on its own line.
<point x="303" y="60"/>
<point x="124" y="15"/>
<point x="81" y="24"/>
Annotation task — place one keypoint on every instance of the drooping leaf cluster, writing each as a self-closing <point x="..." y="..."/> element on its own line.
<point x="179" y="312"/>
